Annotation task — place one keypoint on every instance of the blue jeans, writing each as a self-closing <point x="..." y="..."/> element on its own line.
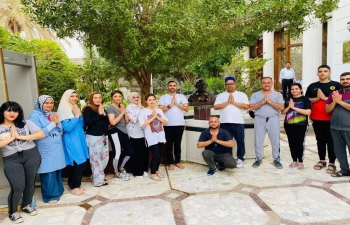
<point x="236" y="131"/>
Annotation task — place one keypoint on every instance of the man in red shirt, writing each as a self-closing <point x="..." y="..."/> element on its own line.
<point x="318" y="93"/>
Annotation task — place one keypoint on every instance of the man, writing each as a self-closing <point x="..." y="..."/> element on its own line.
<point x="287" y="78"/>
<point x="173" y="105"/>
<point x="318" y="93"/>
<point x="218" y="147"/>
<point x="338" y="102"/>
<point x="200" y="94"/>
<point x="267" y="105"/>
<point x="231" y="103"/>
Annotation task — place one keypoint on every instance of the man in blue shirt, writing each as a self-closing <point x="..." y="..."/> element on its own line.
<point x="218" y="147"/>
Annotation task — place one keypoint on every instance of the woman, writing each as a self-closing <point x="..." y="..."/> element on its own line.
<point x="20" y="157"/>
<point x="50" y="149"/>
<point x="297" y="109"/>
<point x="140" y="158"/>
<point x="74" y="144"/>
<point x="96" y="123"/>
<point x="152" y="120"/>
<point x="117" y="134"/>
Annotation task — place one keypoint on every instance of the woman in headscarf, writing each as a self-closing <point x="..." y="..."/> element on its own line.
<point x="74" y="144"/>
<point x="137" y="137"/>
<point x="96" y="123"/>
<point x="50" y="149"/>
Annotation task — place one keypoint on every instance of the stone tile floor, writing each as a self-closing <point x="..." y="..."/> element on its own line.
<point x="263" y="195"/>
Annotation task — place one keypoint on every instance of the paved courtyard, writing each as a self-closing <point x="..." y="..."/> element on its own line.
<point x="255" y="196"/>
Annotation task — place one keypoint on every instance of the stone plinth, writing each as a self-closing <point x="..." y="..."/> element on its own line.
<point x="202" y="112"/>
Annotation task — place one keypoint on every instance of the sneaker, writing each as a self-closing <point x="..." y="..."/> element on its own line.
<point x="277" y="164"/>
<point x="121" y="177"/>
<point x="16" y="218"/>
<point x="239" y="163"/>
<point x="257" y="163"/>
<point x="211" y="172"/>
<point x="125" y="173"/>
<point x="139" y="177"/>
<point x="145" y="174"/>
<point x="30" y="210"/>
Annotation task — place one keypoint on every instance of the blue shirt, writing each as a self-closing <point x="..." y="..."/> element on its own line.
<point x="50" y="147"/>
<point x="74" y="143"/>
<point x="223" y="135"/>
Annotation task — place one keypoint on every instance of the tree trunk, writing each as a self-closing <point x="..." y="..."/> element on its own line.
<point x="143" y="78"/>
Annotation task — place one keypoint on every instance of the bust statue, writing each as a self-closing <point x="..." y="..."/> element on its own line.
<point x="200" y="96"/>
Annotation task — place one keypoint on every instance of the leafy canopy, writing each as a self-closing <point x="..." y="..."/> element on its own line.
<point x="156" y="36"/>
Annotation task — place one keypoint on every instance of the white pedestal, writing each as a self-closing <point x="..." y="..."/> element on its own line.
<point x="193" y="130"/>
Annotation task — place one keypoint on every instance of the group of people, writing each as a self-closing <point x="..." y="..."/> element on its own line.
<point x="326" y="102"/>
<point x="49" y="141"/>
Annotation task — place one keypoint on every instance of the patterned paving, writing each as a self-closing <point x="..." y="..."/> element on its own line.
<point x="263" y="195"/>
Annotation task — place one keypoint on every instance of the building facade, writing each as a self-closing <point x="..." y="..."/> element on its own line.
<point x="323" y="43"/>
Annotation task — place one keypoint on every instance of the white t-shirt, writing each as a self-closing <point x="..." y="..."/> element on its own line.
<point x="231" y="113"/>
<point x="154" y="132"/>
<point x="174" y="114"/>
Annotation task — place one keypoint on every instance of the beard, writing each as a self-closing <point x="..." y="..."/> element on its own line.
<point x="212" y="127"/>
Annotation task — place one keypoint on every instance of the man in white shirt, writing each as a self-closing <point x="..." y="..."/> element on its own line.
<point x="287" y="77"/>
<point x="173" y="105"/>
<point x="231" y="104"/>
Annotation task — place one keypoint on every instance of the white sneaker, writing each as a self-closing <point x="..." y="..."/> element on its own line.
<point x="140" y="177"/>
<point x="239" y="163"/>
<point x="145" y="174"/>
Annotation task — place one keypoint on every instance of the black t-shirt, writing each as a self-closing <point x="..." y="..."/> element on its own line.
<point x="96" y="124"/>
<point x="292" y="116"/>
<point x="326" y="88"/>
<point x="223" y="135"/>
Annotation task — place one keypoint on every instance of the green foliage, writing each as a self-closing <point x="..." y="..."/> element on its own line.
<point x="187" y="87"/>
<point x="216" y="85"/>
<point x="153" y="37"/>
<point x="246" y="72"/>
<point x="55" y="72"/>
<point x="54" y="83"/>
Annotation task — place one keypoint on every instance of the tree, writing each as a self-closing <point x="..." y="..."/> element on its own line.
<point x="55" y="72"/>
<point x="156" y="36"/>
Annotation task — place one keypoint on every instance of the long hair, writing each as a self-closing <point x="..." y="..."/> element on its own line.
<point x="114" y="92"/>
<point x="91" y="101"/>
<point x="13" y="107"/>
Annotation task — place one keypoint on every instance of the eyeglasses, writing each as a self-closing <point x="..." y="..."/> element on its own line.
<point x="136" y="97"/>
<point x="228" y="84"/>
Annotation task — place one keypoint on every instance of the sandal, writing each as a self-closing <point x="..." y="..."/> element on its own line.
<point x="320" y="165"/>
<point x="300" y="166"/>
<point x="331" y="169"/>
<point x="77" y="192"/>
<point x="339" y="174"/>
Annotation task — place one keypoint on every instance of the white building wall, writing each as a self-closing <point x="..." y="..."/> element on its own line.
<point x="337" y="34"/>
<point x="312" y="46"/>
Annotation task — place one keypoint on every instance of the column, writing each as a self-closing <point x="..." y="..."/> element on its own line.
<point x="312" y="53"/>
<point x="268" y="48"/>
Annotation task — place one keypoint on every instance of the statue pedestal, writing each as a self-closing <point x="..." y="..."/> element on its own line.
<point x="202" y="112"/>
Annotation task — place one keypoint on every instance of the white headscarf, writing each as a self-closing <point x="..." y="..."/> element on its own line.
<point x="132" y="94"/>
<point x="65" y="109"/>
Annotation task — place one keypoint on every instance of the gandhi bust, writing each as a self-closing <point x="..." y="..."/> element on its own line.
<point x="200" y="95"/>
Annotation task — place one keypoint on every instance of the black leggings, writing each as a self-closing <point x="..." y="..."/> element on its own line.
<point x="20" y="170"/>
<point x="296" y="137"/>
<point x="75" y="175"/>
<point x="324" y="140"/>
<point x="156" y="156"/>
<point x="173" y="137"/>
